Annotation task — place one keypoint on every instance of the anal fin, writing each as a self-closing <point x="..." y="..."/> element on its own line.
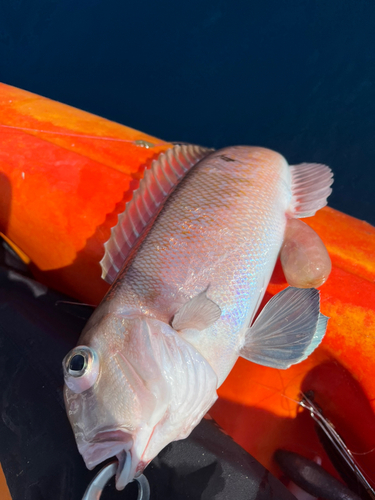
<point x="303" y="255"/>
<point x="288" y="329"/>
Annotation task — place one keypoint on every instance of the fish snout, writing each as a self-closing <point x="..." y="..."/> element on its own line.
<point x="115" y="443"/>
<point x="104" y="445"/>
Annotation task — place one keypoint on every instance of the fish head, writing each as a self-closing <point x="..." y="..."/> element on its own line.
<point x="132" y="387"/>
<point x="110" y="400"/>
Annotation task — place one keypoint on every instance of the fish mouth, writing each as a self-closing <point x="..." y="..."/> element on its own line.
<point x="117" y="435"/>
<point x="108" y="444"/>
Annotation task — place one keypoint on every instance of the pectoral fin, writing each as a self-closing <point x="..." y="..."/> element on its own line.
<point x="199" y="313"/>
<point x="287" y="330"/>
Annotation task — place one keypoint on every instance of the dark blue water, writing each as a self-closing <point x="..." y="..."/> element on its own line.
<point x="296" y="76"/>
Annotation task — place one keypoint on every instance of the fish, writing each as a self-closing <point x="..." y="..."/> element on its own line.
<point x="198" y="245"/>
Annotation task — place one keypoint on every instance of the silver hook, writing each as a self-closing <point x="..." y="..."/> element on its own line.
<point x="95" y="488"/>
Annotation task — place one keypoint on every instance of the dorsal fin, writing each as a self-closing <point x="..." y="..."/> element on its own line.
<point x="156" y="186"/>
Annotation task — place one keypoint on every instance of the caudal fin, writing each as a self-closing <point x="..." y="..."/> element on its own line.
<point x="289" y="328"/>
<point x="311" y="186"/>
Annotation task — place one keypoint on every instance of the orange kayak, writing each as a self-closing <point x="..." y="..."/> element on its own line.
<point x="64" y="177"/>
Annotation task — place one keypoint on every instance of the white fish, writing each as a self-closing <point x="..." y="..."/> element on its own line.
<point x="180" y="311"/>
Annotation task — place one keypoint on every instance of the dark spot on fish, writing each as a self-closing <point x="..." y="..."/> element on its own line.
<point x="226" y="158"/>
<point x="77" y="363"/>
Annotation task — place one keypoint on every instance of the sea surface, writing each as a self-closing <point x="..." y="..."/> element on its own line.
<point x="297" y="76"/>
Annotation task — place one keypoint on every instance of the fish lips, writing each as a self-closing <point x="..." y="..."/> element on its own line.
<point x="107" y="444"/>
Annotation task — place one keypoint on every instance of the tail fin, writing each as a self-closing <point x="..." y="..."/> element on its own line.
<point x="310" y="188"/>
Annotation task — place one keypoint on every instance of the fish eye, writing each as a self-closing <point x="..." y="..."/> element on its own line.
<point x="77" y="363"/>
<point x="81" y="368"/>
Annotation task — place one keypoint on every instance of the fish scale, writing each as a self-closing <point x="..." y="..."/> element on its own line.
<point x="221" y="229"/>
<point x="179" y="312"/>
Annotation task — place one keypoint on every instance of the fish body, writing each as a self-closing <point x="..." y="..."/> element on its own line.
<point x="221" y="231"/>
<point x="178" y="315"/>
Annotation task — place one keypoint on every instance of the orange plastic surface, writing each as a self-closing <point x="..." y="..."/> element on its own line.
<point x="4" y="491"/>
<point x="64" y="176"/>
<point x="60" y="195"/>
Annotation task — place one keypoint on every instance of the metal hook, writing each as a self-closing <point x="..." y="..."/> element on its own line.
<point x="95" y="488"/>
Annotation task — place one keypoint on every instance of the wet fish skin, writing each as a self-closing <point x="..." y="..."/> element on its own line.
<point x="217" y="238"/>
<point x="222" y="229"/>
